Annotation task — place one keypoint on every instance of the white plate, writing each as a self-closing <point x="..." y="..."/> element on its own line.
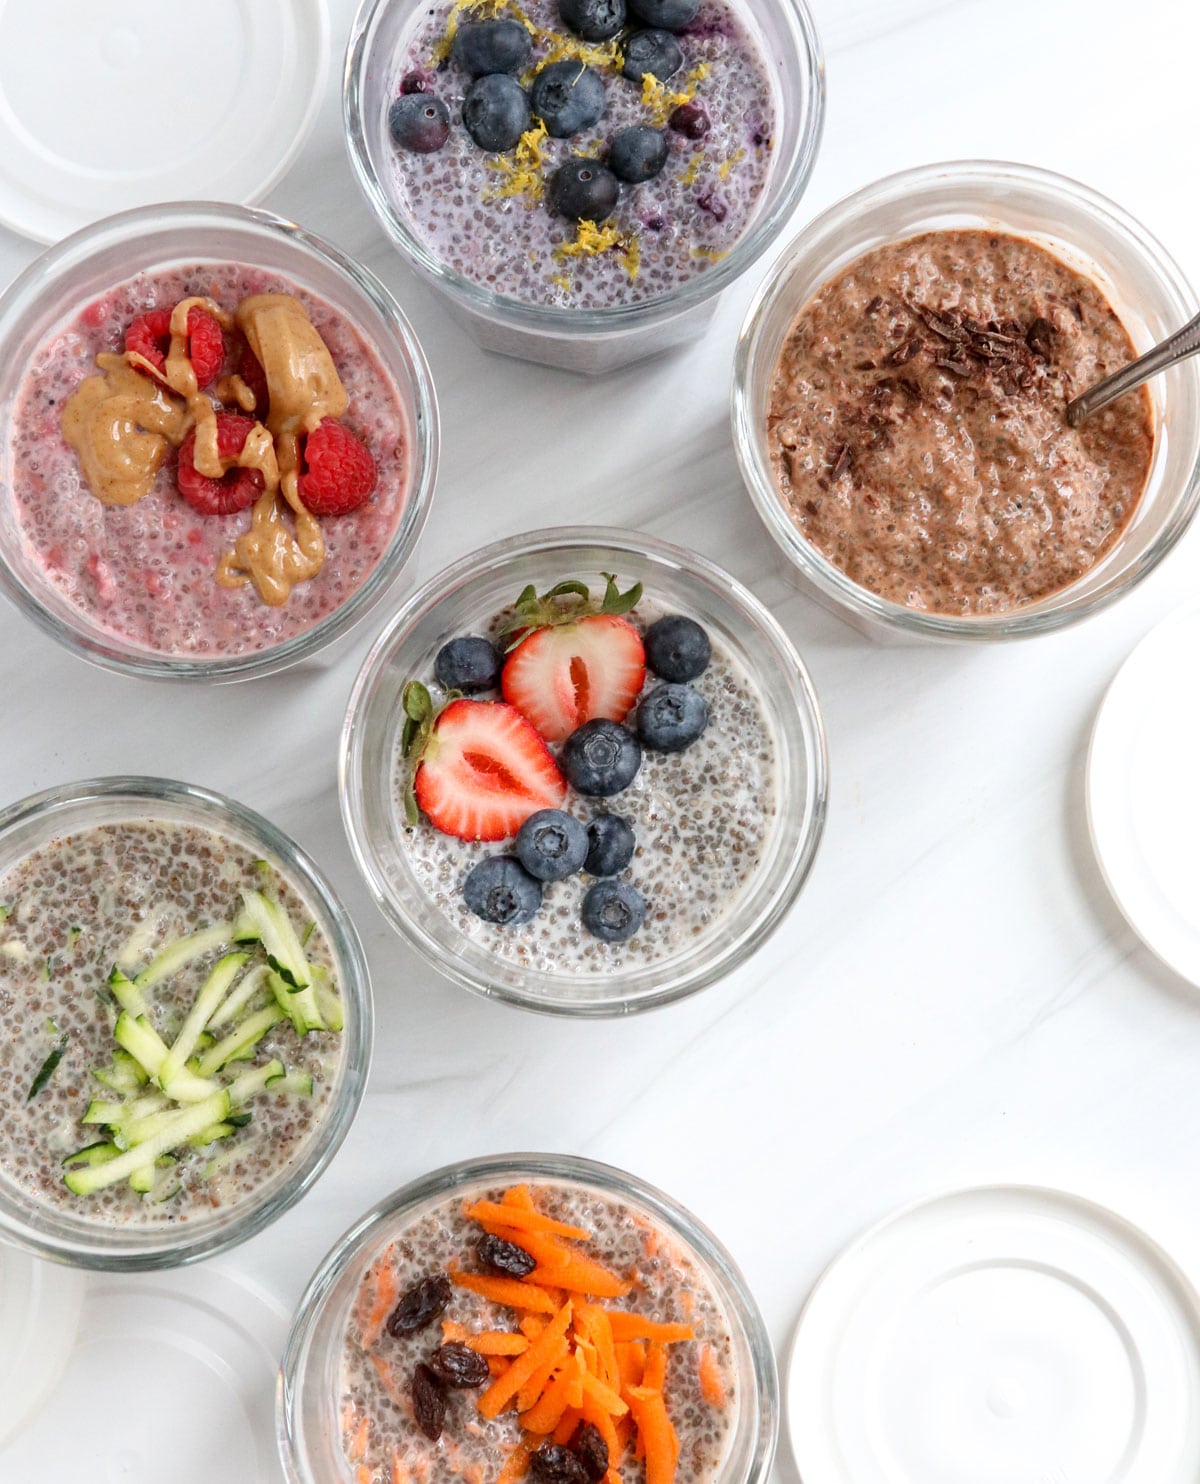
<point x="998" y="1336"/>
<point x="109" y="104"/>
<point x="172" y="1378"/>
<point x="39" y="1316"/>
<point x="1143" y="791"/>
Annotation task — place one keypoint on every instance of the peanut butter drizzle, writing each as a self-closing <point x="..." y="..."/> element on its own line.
<point x="121" y="425"/>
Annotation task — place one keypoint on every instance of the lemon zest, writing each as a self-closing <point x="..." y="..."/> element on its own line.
<point x="726" y="166"/>
<point x="662" y="102"/>
<point x="563" y="280"/>
<point x="591" y="240"/>
<point x="710" y="254"/>
<point x="693" y="169"/>
<point x="523" y="171"/>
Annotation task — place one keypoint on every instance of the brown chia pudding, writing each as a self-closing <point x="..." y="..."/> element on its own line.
<point x="487" y="216"/>
<point x="145" y="571"/>
<point x="383" y="1440"/>
<point x="916" y="425"/>
<point x="117" y="894"/>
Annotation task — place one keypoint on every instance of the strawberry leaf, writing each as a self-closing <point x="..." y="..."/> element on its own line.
<point x="566" y="602"/>
<point x="615" y="601"/>
<point x="419" y="717"/>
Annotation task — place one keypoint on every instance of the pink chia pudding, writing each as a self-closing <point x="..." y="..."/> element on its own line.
<point x="145" y="571"/>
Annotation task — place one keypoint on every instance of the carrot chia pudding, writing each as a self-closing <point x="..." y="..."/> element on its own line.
<point x="917" y="432"/>
<point x="548" y="1331"/>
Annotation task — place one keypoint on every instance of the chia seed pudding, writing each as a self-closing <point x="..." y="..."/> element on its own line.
<point x="145" y="570"/>
<point x="428" y="1264"/>
<point x="120" y="895"/>
<point x="917" y="432"/>
<point x="493" y="216"/>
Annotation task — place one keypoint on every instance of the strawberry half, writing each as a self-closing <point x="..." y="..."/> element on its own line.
<point x="561" y="677"/>
<point x="484" y="771"/>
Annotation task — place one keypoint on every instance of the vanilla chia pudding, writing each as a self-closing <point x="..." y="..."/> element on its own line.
<point x="111" y="938"/>
<point x="655" y="1346"/>
<point x="146" y="570"/>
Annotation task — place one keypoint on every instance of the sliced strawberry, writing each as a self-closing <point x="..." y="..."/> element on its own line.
<point x="485" y="771"/>
<point x="561" y="677"/>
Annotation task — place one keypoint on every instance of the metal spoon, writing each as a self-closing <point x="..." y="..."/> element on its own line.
<point x="1177" y="347"/>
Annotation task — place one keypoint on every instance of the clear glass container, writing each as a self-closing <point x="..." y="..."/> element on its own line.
<point x="51" y="292"/>
<point x="591" y="340"/>
<point x="466" y="597"/>
<point x="52" y="1233"/>
<point x="308" y="1398"/>
<point x="1146" y="289"/>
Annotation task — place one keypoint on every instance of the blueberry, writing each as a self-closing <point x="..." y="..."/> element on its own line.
<point x="652" y="51"/>
<point x="677" y="648"/>
<point x="594" y="20"/>
<point x="584" y="190"/>
<point x="690" y="120"/>
<point x="567" y="98"/>
<point x="665" y="15"/>
<point x="483" y="47"/>
<point x="468" y="664"/>
<point x="495" y="112"/>
<point x="552" y="845"/>
<point x="501" y="890"/>
<point x="419" y="122"/>
<point x="601" y="758"/>
<point x="637" y="153"/>
<point x="613" y="911"/>
<point x="416" y="82"/>
<point x="610" y="845"/>
<point x="671" y="717"/>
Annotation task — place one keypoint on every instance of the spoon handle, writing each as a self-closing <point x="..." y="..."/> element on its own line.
<point x="1177" y="347"/>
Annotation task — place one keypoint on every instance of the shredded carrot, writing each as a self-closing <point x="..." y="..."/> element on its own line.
<point x="603" y="1396"/>
<point x="547" y="1414"/>
<point x="578" y="1274"/>
<point x="400" y="1474"/>
<point x="712" y="1383"/>
<point x="363" y="1475"/>
<point x="497" y="1365"/>
<point x="495" y="1342"/>
<point x="507" y="1291"/>
<point x="551" y="1341"/>
<point x="358" y="1444"/>
<point x="455" y="1332"/>
<point x="567" y="1424"/>
<point x="657" y="1434"/>
<point x="520" y="1196"/>
<point x="389" y="1382"/>
<point x="626" y="1326"/>
<point x="600" y="1417"/>
<point x="383" y="1300"/>
<point x="631" y="1362"/>
<point x="530" y="1326"/>
<point x="655" y="1373"/>
<point x="594" y="1322"/>
<point x="516" y="1464"/>
<point x="613" y="1476"/>
<point x="529" y="1393"/>
<point x="519" y="1219"/>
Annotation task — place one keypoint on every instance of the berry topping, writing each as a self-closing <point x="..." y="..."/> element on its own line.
<point x="610" y="845"/>
<point x="501" y="890"/>
<point x="416" y="82"/>
<point x="483" y="47"/>
<point x="552" y="845"/>
<point x="339" y="473"/>
<point x="671" y="717"/>
<point x="652" y="51"/>
<point x="690" y="120"/>
<point x="468" y="664"/>
<point x="601" y="758"/>
<point x="637" y="153"/>
<point x="584" y="191"/>
<point x="238" y="489"/>
<point x="419" y="122"/>
<point x="666" y="15"/>
<point x="594" y="20"/>
<point x="495" y="112"/>
<point x="567" y="98"/>
<point x="149" y="336"/>
<point x="613" y="911"/>
<point x="677" y="648"/>
<point x="561" y="677"/>
<point x="256" y="379"/>
<point x="481" y="769"/>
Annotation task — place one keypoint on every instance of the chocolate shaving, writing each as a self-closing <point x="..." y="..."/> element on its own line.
<point x="1040" y="338"/>
<point x="875" y="305"/>
<point x="959" y="368"/>
<point x="839" y="461"/>
<point x="905" y="353"/>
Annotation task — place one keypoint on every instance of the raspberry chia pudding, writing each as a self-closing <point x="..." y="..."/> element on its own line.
<point x="172" y="1025"/>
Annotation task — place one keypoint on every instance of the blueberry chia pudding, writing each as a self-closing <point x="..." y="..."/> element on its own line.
<point x="917" y="427"/>
<point x="171" y="1023"/>
<point x="207" y="461"/>
<point x="589" y="782"/>
<point x="548" y="1331"/>
<point x="580" y="153"/>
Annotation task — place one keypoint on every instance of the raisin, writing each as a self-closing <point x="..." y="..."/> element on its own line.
<point x="556" y="1465"/>
<point x="504" y="1257"/>
<point x="589" y="1445"/>
<point x="429" y="1402"/>
<point x="420" y="1306"/>
<point x="458" y="1365"/>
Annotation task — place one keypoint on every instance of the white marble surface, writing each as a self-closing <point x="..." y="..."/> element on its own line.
<point x="954" y="999"/>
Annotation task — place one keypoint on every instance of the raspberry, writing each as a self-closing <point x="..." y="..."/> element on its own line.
<point x="239" y="489"/>
<point x="339" y="472"/>
<point x="256" y="379"/>
<point x="150" y="336"/>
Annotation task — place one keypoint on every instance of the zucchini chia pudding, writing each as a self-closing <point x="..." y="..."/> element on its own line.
<point x="208" y="460"/>
<point x="172" y="1022"/>
<point x="917" y="431"/>
<point x="580" y="153"/>
<point x="547" y="1330"/>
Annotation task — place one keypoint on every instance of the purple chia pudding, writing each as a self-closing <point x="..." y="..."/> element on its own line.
<point x="109" y="901"/>
<point x="492" y="216"/>
<point x="145" y="571"/>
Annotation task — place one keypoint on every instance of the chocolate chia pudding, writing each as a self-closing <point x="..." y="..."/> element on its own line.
<point x="916" y="423"/>
<point x="592" y="1346"/>
<point x="148" y="566"/>
<point x="97" y="939"/>
<point x="495" y="216"/>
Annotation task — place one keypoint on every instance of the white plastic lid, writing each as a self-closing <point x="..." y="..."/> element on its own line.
<point x="1143" y="791"/>
<point x="39" y="1315"/>
<point x="998" y="1336"/>
<point x="172" y="1377"/>
<point x="110" y="104"/>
